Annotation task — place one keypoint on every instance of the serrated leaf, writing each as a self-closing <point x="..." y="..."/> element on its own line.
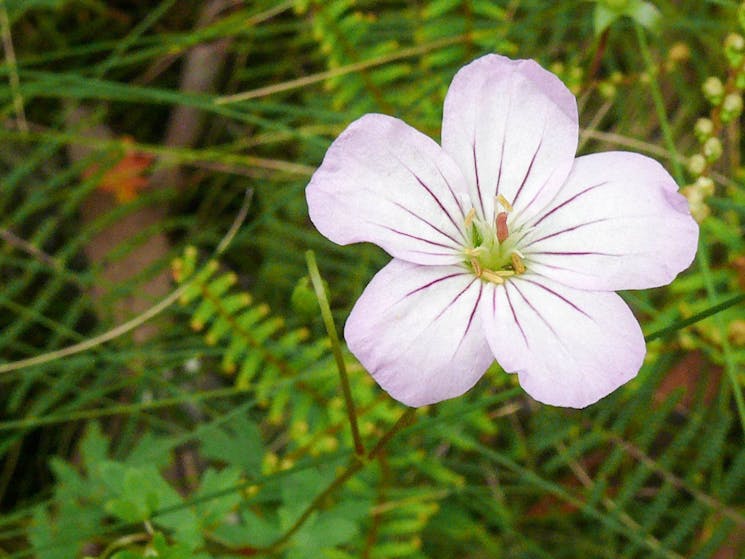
<point x="645" y="14"/>
<point x="150" y="450"/>
<point x="216" y="506"/>
<point x="260" y="531"/>
<point x="125" y="510"/>
<point x="44" y="537"/>
<point x="603" y="18"/>
<point x="237" y="444"/>
<point x="94" y="447"/>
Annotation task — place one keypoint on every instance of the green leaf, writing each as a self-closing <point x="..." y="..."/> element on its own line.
<point x="237" y="443"/>
<point x="608" y="11"/>
<point x="44" y="537"/>
<point x="213" y="510"/>
<point x="94" y="447"/>
<point x="260" y="531"/>
<point x="603" y="17"/>
<point x="645" y="14"/>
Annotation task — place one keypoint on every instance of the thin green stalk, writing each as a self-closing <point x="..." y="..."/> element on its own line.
<point x="702" y="255"/>
<point x="10" y="61"/>
<point x="121" y="409"/>
<point x="328" y="320"/>
<point x="356" y="464"/>
<point x="706" y="313"/>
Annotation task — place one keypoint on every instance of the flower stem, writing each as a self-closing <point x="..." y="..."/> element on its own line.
<point x="328" y="320"/>
<point x="355" y="465"/>
<point x="702" y="255"/>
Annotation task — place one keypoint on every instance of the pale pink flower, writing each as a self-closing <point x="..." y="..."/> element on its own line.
<point x="504" y="245"/>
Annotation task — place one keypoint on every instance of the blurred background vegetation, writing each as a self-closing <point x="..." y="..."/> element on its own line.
<point x="167" y="388"/>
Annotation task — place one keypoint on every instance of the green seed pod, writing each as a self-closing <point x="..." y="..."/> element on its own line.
<point x="704" y="129"/>
<point x="735" y="42"/>
<point x="607" y="89"/>
<point x="712" y="149"/>
<point x="697" y="164"/>
<point x="705" y="186"/>
<point x="731" y="107"/>
<point x="713" y="90"/>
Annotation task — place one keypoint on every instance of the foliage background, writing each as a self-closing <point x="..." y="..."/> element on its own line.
<point x="136" y="134"/>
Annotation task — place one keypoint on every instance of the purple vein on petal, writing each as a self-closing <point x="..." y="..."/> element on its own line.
<point x="470" y="318"/>
<point x="430" y="284"/>
<point x="501" y="163"/>
<point x="426" y="221"/>
<point x="452" y="193"/>
<point x="567" y="230"/>
<point x="397" y="232"/>
<point x="538" y="314"/>
<point x="458" y="296"/>
<point x="429" y="191"/>
<point x="572" y="199"/>
<point x="559" y="296"/>
<point x="514" y="314"/>
<point x="575" y="253"/>
<point x="476" y="173"/>
<point x="560" y="268"/>
<point x="527" y="173"/>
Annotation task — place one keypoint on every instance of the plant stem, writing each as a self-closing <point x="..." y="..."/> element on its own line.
<point x="328" y="320"/>
<point x="355" y="465"/>
<point x="695" y="318"/>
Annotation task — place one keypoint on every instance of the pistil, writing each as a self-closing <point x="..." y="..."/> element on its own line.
<point x="490" y="255"/>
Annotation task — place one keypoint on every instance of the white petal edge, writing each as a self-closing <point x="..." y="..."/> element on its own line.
<point x="512" y="127"/>
<point x="569" y="347"/>
<point x="417" y="330"/>
<point x="618" y="223"/>
<point x="384" y="182"/>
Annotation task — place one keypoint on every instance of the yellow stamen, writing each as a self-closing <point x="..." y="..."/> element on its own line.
<point x="493" y="277"/>
<point x="505" y="204"/>
<point x="469" y="216"/>
<point x="517" y="263"/>
<point x="476" y="267"/>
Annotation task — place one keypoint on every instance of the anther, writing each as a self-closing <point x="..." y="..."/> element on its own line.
<point x="517" y="263"/>
<point x="493" y="277"/>
<point x="501" y="223"/>
<point x="476" y="267"/>
<point x="505" y="204"/>
<point x="469" y="216"/>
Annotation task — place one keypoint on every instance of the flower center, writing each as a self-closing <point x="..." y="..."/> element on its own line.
<point x="491" y="253"/>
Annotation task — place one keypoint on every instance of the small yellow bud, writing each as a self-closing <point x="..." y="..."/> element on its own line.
<point x="731" y="107"/>
<point x="697" y="164"/>
<point x="607" y="90"/>
<point x="705" y="185"/>
<point x="713" y="90"/>
<point x="736" y="332"/>
<point x="734" y="45"/>
<point x="679" y="52"/>
<point x="704" y="129"/>
<point x="735" y="42"/>
<point x="712" y="149"/>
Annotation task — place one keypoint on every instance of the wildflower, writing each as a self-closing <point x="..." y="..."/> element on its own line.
<point x="504" y="245"/>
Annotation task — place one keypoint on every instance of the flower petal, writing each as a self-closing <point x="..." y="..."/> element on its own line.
<point x="618" y="223"/>
<point x="569" y="347"/>
<point x="416" y="329"/>
<point x="512" y="127"/>
<point x="384" y="182"/>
